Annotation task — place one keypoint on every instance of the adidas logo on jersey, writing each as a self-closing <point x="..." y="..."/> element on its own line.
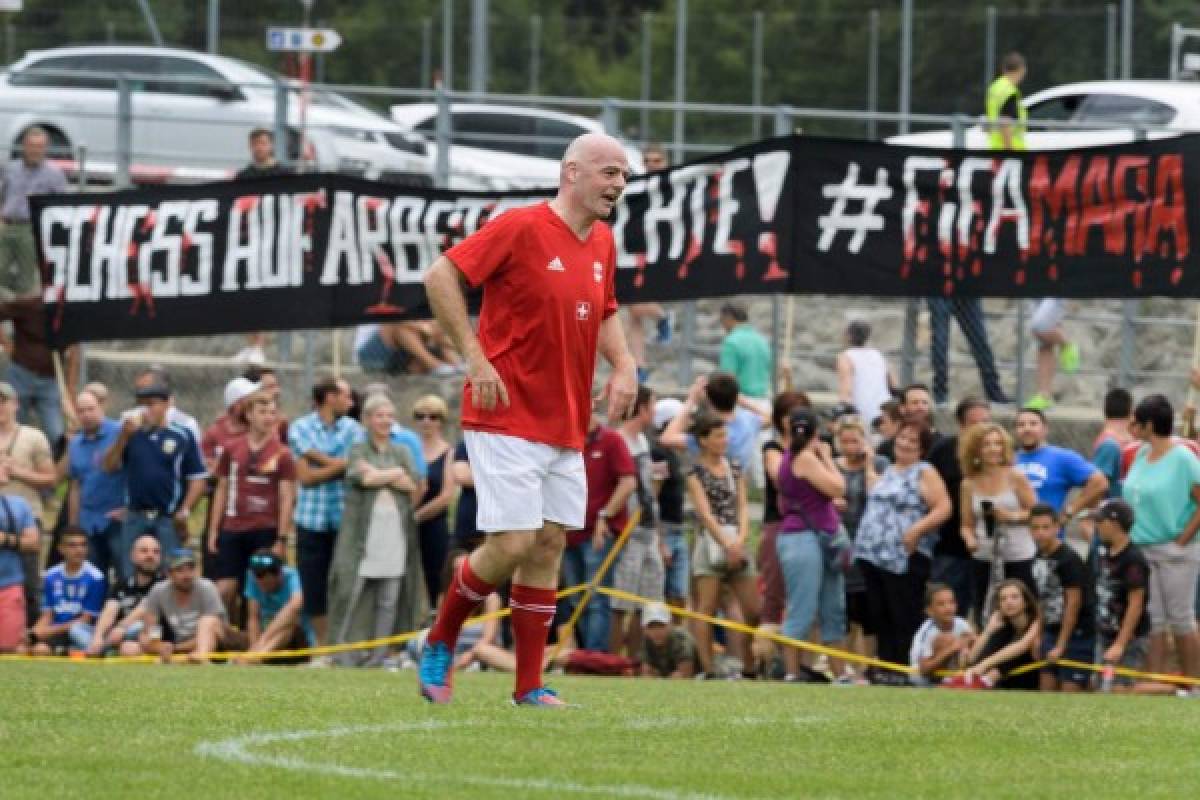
<point x="556" y="265"/>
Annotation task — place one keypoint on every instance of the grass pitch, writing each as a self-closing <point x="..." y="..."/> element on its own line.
<point x="109" y="731"/>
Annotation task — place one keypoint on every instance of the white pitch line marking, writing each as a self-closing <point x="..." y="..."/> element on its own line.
<point x="241" y="750"/>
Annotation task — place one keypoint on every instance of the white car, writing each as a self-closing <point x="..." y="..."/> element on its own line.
<point x="497" y="147"/>
<point x="1108" y="108"/>
<point x="200" y="127"/>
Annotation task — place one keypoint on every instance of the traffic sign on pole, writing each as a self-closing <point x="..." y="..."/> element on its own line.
<point x="303" y="40"/>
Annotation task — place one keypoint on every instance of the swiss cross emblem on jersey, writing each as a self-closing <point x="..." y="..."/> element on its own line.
<point x="598" y="271"/>
<point x="583" y="310"/>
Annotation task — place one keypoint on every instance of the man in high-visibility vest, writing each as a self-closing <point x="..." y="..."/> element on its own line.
<point x="1006" y="131"/>
<point x="1005" y="112"/>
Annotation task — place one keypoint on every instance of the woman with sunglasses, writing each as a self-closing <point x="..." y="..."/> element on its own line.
<point x="432" y="514"/>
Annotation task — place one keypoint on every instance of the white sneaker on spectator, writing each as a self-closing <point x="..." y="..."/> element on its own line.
<point x="320" y="662"/>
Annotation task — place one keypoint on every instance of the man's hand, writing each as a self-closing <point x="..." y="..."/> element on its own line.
<point x="599" y="533"/>
<point x="1054" y="655"/>
<point x="1113" y="654"/>
<point x="212" y="542"/>
<point x="621" y="390"/>
<point x="486" y="386"/>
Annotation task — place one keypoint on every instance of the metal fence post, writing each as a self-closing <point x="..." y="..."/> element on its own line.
<point x="783" y="125"/>
<point x="447" y="43"/>
<point x="124" y="131"/>
<point x="647" y="55"/>
<point x="10" y="43"/>
<point x="1110" y="41"/>
<point x="535" y="52"/>
<point x="281" y="123"/>
<point x="1129" y="309"/>
<point x="479" y="46"/>
<point x="756" y="74"/>
<point x="1127" y="40"/>
<point x="681" y="20"/>
<point x="610" y="117"/>
<point x="873" y="72"/>
<point x="1022" y="345"/>
<point x="442" y="163"/>
<point x="426" y="52"/>
<point x="214" y="25"/>
<point x="906" y="37"/>
<point x="989" y="51"/>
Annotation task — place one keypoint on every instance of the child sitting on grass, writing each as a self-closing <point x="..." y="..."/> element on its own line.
<point x="1007" y="643"/>
<point x="943" y="640"/>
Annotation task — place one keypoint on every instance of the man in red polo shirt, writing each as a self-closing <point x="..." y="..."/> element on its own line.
<point x="547" y="273"/>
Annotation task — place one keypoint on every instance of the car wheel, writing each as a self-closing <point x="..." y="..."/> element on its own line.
<point x="59" y="146"/>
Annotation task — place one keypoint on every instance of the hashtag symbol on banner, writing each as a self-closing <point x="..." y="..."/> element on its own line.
<point x="840" y="219"/>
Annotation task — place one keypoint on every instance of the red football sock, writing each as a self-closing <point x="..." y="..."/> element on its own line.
<point x="532" y="616"/>
<point x="465" y="594"/>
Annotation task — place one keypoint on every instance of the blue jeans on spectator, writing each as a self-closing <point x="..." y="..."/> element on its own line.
<point x="679" y="568"/>
<point x="104" y="547"/>
<point x="80" y="635"/>
<point x="580" y="563"/>
<point x="40" y="394"/>
<point x="957" y="573"/>
<point x="138" y="522"/>
<point x="813" y="589"/>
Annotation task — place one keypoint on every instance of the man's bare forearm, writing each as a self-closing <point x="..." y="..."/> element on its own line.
<point x="444" y="288"/>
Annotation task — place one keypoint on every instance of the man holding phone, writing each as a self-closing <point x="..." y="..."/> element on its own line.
<point x="163" y="471"/>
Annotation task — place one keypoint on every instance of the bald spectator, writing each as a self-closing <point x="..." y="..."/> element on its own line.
<point x="22" y="178"/>
<point x="95" y="498"/>
<point x="119" y="628"/>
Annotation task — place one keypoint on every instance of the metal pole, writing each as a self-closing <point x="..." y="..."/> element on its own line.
<point x="442" y="132"/>
<point x="535" y="53"/>
<point x="1127" y="40"/>
<point x="310" y="358"/>
<point x="681" y="20"/>
<point x="151" y="23"/>
<point x="610" y="115"/>
<point x="783" y="125"/>
<point x="110" y="32"/>
<point x="447" y="43"/>
<point x="281" y="122"/>
<point x="124" y="131"/>
<point x="756" y="79"/>
<point x="647" y="49"/>
<point x="426" y="52"/>
<point x="214" y="25"/>
<point x="873" y="72"/>
<point x="989" y="51"/>
<point x="906" y="35"/>
<point x="1022" y="344"/>
<point x="10" y="41"/>
<point x="1129" y="309"/>
<point x="1176" y="41"/>
<point x="479" y="46"/>
<point x="1110" y="41"/>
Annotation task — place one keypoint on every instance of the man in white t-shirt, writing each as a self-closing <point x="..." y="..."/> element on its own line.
<point x="864" y="378"/>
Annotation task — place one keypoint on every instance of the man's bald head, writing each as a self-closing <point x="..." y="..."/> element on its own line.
<point x="592" y="176"/>
<point x="590" y="147"/>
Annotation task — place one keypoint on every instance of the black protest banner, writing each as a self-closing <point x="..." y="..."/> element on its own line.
<point x="794" y="214"/>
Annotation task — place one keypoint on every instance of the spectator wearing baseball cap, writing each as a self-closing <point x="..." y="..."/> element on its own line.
<point x="1122" y="622"/>
<point x="667" y="651"/>
<point x="183" y="614"/>
<point x="275" y="606"/>
<point x="230" y="424"/>
<point x="164" y="473"/>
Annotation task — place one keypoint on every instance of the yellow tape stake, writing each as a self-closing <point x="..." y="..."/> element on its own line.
<point x="596" y="580"/>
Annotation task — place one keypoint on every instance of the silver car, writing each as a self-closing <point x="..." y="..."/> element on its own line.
<point x="192" y="113"/>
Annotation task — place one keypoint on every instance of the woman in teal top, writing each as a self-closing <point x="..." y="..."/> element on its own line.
<point x="1163" y="487"/>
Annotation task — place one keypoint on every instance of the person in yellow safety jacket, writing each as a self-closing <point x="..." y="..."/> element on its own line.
<point x="1005" y="112"/>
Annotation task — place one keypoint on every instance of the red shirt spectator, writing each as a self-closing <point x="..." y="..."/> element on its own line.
<point x="252" y="499"/>
<point x="1130" y="450"/>
<point x="606" y="459"/>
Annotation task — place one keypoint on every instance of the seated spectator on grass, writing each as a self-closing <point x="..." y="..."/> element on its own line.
<point x="1007" y="642"/>
<point x="721" y="559"/>
<point x="254" y="498"/>
<point x="667" y="651"/>
<point x="1122" y="621"/>
<point x="275" y="618"/>
<point x="184" y="614"/>
<point x="72" y="599"/>
<point x="1066" y="592"/>
<point x="433" y="508"/>
<point x="639" y="567"/>
<point x="18" y="536"/>
<point x="943" y="641"/>
<point x="119" y="629"/>
<point x="376" y="584"/>
<point x="164" y="474"/>
<point x="95" y="498"/>
<point x="416" y="347"/>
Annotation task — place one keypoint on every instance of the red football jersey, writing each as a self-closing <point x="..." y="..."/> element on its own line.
<point x="254" y="476"/>
<point x="545" y="293"/>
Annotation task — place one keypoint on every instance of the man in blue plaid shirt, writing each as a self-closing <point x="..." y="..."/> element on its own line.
<point x="320" y="443"/>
